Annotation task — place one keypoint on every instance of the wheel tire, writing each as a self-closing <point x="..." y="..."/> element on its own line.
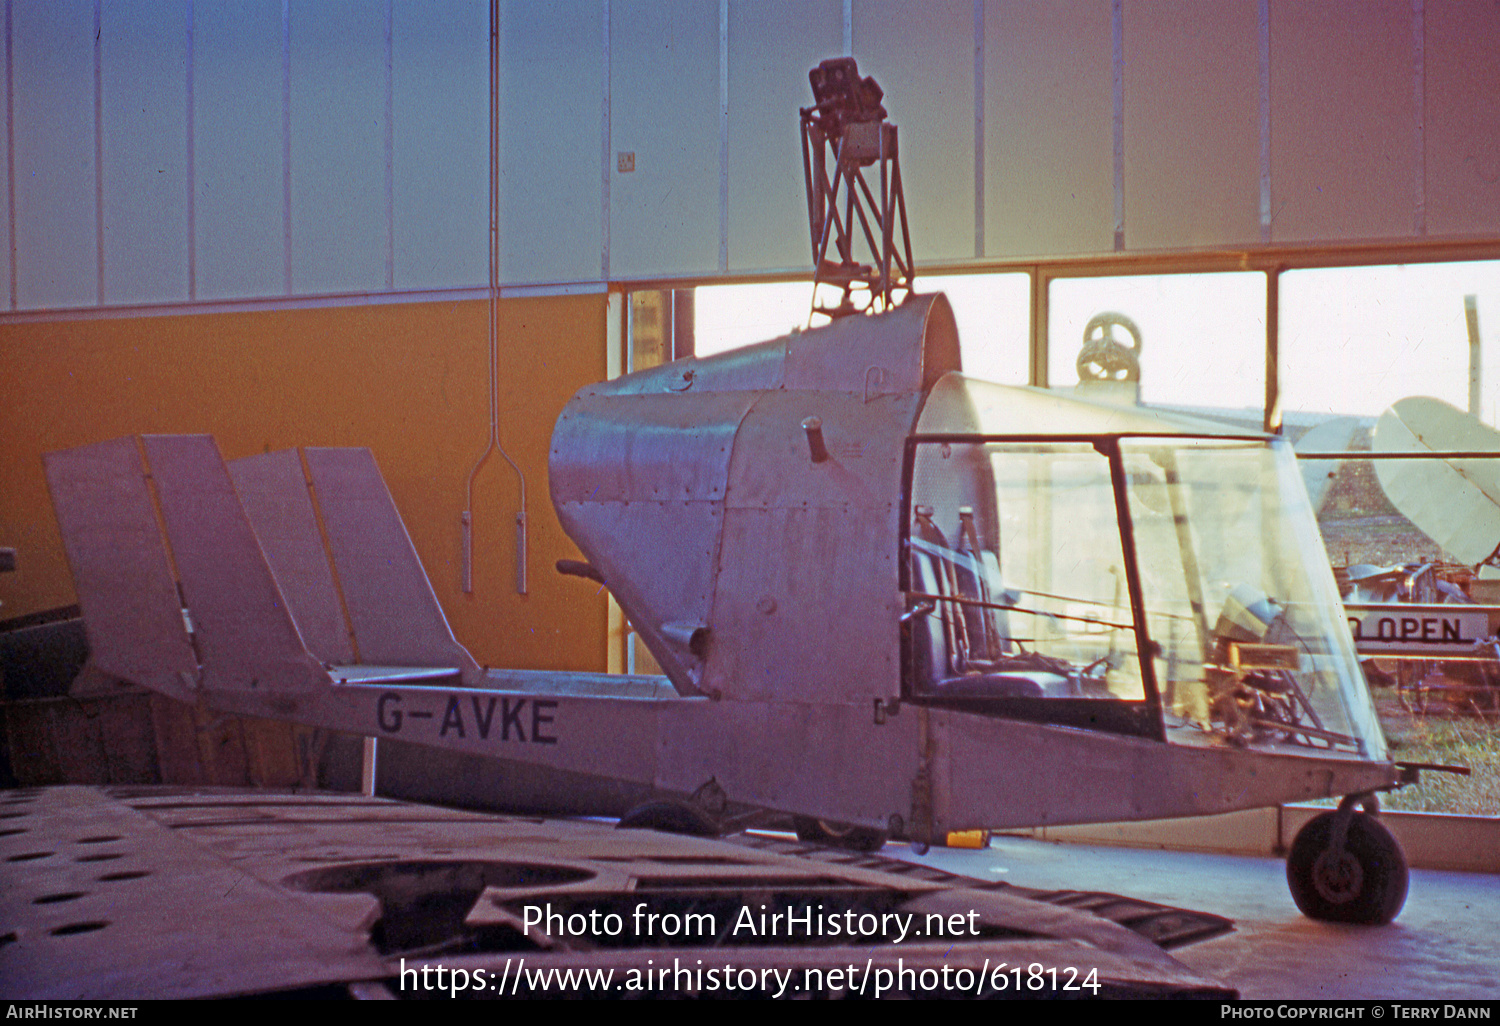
<point x="1365" y="883"/>
<point x="668" y="817"/>
<point x="837" y="835"/>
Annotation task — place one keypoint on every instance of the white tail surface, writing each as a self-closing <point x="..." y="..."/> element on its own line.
<point x="394" y="612"/>
<point x="274" y="493"/>
<point x="131" y="609"/>
<point x="246" y="635"/>
<point x="196" y="553"/>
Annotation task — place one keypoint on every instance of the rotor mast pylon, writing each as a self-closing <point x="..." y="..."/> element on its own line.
<point x="846" y="130"/>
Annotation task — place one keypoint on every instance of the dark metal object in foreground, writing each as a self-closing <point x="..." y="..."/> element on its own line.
<point x="130" y="893"/>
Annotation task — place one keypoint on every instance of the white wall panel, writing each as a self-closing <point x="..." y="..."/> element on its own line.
<point x="922" y="54"/>
<point x="57" y="262"/>
<point x="1352" y="156"/>
<point x="1048" y="128"/>
<point x="1343" y="120"/>
<point x="144" y="63"/>
<point x="1462" y="117"/>
<point x="1192" y="124"/>
<point x="664" y="89"/>
<point x="551" y="206"/>
<point x="338" y="146"/>
<point x="238" y="148"/>
<point x="6" y="299"/>
<point x="772" y="46"/>
<point x="441" y="143"/>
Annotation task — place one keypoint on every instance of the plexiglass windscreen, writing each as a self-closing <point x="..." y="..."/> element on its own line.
<point x="1021" y="584"/>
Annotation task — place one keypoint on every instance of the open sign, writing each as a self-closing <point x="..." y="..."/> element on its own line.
<point x="1429" y="629"/>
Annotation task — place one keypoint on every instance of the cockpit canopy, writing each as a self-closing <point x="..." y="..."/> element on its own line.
<point x="1122" y="569"/>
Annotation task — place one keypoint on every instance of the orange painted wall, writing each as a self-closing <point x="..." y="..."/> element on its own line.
<point x="408" y="381"/>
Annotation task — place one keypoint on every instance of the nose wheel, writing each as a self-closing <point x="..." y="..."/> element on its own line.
<point x="1345" y="867"/>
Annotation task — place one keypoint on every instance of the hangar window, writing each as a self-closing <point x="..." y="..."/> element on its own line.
<point x="1378" y="362"/>
<point x="993" y="312"/>
<point x="1194" y="341"/>
<point x="1356" y="339"/>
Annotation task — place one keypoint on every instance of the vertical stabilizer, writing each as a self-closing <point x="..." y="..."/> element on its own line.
<point x="245" y="633"/>
<point x="274" y="492"/>
<point x="392" y="607"/>
<point x="131" y="608"/>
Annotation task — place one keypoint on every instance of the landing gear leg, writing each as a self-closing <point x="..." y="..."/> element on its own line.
<point x="1345" y="867"/>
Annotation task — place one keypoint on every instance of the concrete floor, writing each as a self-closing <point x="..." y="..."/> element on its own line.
<point x="1445" y="945"/>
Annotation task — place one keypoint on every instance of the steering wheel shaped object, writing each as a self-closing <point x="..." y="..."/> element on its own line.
<point x="1106" y="355"/>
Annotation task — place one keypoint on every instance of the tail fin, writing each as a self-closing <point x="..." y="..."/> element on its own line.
<point x="245" y="633"/>
<point x="395" y="614"/>
<point x="222" y="532"/>
<point x="131" y="607"/>
<point x="273" y="489"/>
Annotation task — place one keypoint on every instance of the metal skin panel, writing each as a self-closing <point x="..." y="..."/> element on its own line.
<point x="808" y="574"/>
<point x="131" y="610"/>
<point x="997" y="773"/>
<point x="647" y="473"/>
<point x="667" y="433"/>
<point x="807" y="625"/>
<point x="683" y="538"/>
<point x="661" y="448"/>
<point x="244" y="631"/>
<point x="905" y="350"/>
<point x="605" y="736"/>
<point x="274" y="493"/>
<point x="254" y="894"/>
<point x="829" y="761"/>
<point x="396" y="617"/>
<point x="750" y="369"/>
<point x="773" y="465"/>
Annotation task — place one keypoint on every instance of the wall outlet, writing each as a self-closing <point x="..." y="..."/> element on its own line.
<point x="625" y="161"/>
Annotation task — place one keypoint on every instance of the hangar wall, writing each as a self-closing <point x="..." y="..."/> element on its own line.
<point x="183" y="150"/>
<point x="406" y="380"/>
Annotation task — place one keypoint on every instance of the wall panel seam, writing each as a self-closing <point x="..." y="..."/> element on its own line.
<point x="978" y="128"/>
<point x="723" y="135"/>
<point x="10" y="145"/>
<point x="1263" y="30"/>
<point x="1117" y="94"/>
<point x="1419" y="103"/>
<point x="605" y="143"/>
<point x="286" y="144"/>
<point x="99" y="152"/>
<point x="192" y="174"/>
<point x="390" y="146"/>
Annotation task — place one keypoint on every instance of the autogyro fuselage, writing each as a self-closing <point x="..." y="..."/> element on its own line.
<point x="921" y="603"/>
<point x="884" y="596"/>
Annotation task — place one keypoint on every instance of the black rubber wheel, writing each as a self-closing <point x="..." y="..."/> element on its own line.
<point x="668" y="817"/>
<point x="1365" y="883"/>
<point x="837" y="835"/>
